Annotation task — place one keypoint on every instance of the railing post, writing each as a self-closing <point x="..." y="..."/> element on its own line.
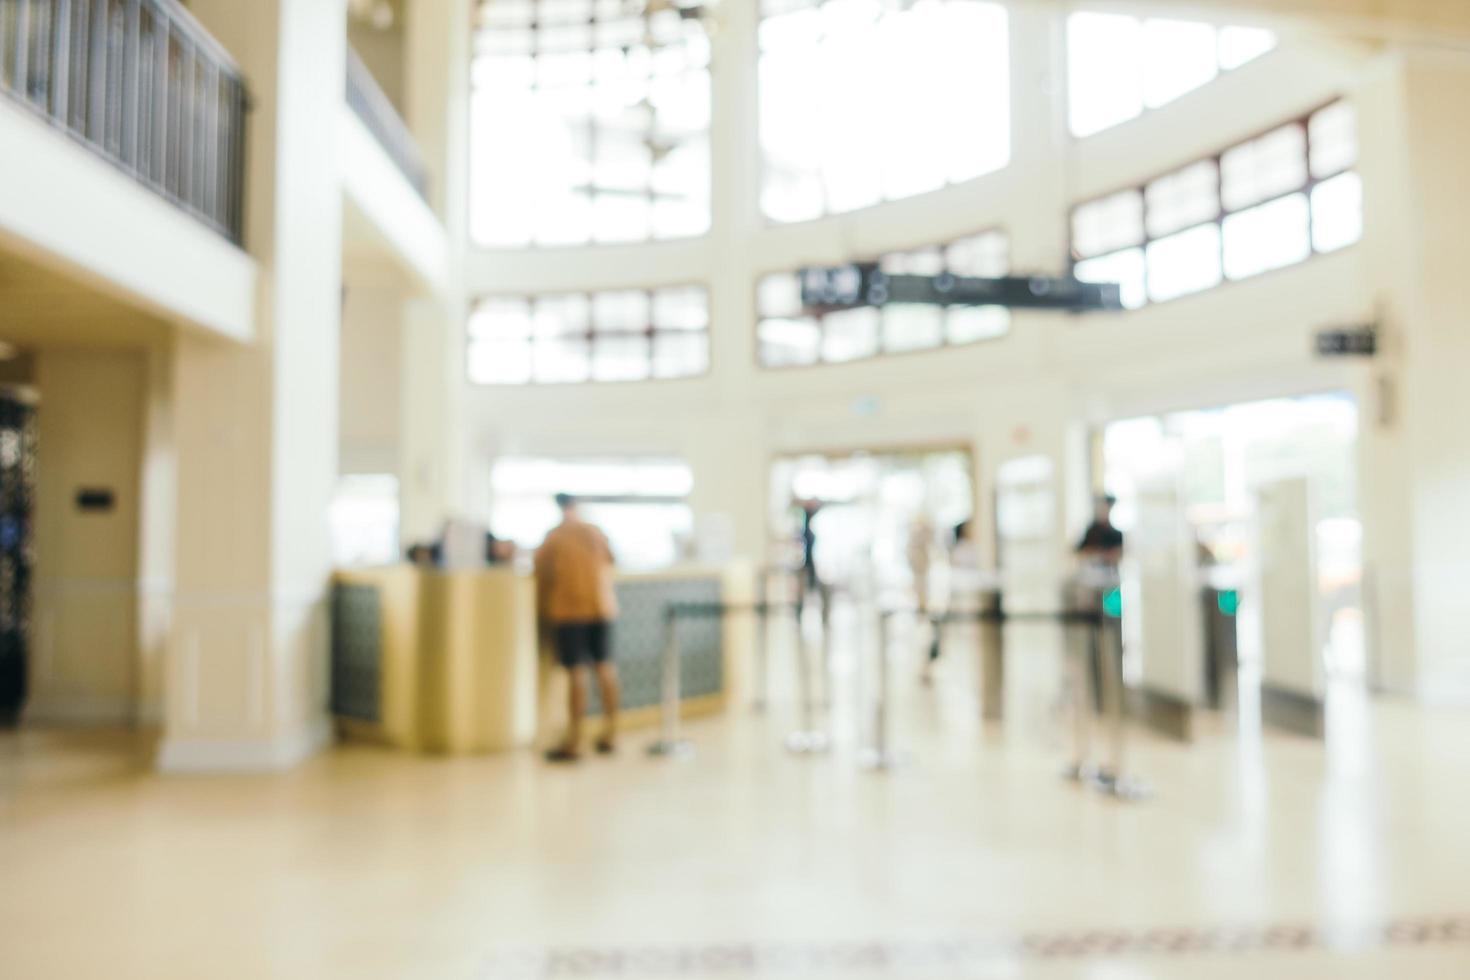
<point x="238" y="109"/>
<point x="61" y="60"/>
<point x="19" y="63"/>
<point x="161" y="114"/>
<point x="97" y="75"/>
<point x="128" y="131"/>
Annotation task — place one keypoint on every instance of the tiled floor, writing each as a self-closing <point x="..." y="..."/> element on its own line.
<point x="1271" y="857"/>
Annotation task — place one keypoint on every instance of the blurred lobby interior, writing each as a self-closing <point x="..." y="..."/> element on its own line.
<point x="846" y="321"/>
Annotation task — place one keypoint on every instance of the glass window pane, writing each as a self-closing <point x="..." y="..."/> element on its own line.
<point x="919" y="262"/>
<point x="1333" y="133"/>
<point x="499" y="362"/>
<point x="1184" y="198"/>
<point x="850" y="335"/>
<point x="625" y="310"/>
<point x="1104" y="78"/>
<point x="564" y="219"/>
<point x="909" y="327"/>
<point x="1108" y="224"/>
<point x="819" y="98"/>
<point x="1241" y="45"/>
<point x="1125" y="268"/>
<point x="789" y="341"/>
<point x="620" y="358"/>
<point x="560" y="360"/>
<point x="576" y="121"/>
<point x="779" y="295"/>
<point x="1184" y="263"/>
<point x="986" y="255"/>
<point x="1337" y="212"/>
<point x="681" y="308"/>
<point x="1178" y="57"/>
<point x="501" y="319"/>
<point x="564" y="314"/>
<point x="619" y="217"/>
<point x="1263" y="168"/>
<point x="1268" y="237"/>
<point x="969" y="324"/>
<point x="680" y="355"/>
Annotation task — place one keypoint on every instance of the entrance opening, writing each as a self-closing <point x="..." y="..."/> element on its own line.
<point x="1227" y="463"/>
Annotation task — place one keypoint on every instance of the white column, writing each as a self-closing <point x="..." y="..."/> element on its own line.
<point x="257" y="426"/>
<point x="1416" y="457"/>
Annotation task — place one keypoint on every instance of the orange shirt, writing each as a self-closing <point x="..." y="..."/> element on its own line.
<point x="574" y="575"/>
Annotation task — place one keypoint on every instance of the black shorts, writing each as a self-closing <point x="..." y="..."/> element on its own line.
<point x="582" y="643"/>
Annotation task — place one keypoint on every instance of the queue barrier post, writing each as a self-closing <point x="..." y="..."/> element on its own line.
<point x="1113" y="778"/>
<point x="880" y="755"/>
<point x="991" y="637"/>
<point x="669" y="744"/>
<point x="809" y="738"/>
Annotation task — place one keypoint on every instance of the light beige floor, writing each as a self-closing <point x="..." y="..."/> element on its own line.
<point x="364" y="863"/>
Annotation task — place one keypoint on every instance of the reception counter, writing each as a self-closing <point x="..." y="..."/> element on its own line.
<point x="448" y="661"/>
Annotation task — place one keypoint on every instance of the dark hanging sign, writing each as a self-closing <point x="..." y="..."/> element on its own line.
<point x="1347" y="342"/>
<point x="96" y="500"/>
<point x="847" y="287"/>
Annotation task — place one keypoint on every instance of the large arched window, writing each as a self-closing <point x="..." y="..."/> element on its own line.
<point x="1263" y="204"/>
<point x="864" y="101"/>
<point x="589" y="123"/>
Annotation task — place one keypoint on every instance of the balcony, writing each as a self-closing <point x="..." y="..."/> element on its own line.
<point x="375" y="111"/>
<point x="140" y="84"/>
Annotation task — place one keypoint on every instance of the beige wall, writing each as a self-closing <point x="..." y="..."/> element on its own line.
<point x="372" y="360"/>
<point x="85" y="666"/>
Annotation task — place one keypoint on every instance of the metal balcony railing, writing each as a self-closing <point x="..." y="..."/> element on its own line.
<point x="141" y="84"/>
<point x="368" y="101"/>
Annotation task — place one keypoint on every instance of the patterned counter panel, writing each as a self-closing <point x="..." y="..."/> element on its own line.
<point x="638" y="640"/>
<point x="357" y="652"/>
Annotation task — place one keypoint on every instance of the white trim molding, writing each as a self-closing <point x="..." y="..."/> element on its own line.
<point x="205" y="756"/>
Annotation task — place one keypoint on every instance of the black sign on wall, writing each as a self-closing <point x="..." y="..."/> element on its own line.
<point x="96" y="500"/>
<point x="1347" y="342"/>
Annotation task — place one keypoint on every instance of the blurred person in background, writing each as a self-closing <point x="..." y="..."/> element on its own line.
<point x="574" y="592"/>
<point x="1102" y="543"/>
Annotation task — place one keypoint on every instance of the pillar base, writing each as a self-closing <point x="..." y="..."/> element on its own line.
<point x="243" y="755"/>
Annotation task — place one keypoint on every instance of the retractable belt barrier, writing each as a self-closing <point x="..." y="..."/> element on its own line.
<point x="1110" y="777"/>
<point x="670" y="744"/>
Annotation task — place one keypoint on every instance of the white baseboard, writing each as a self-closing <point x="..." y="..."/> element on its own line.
<point x="243" y="755"/>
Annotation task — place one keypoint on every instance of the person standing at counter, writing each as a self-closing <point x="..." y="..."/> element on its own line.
<point x="574" y="593"/>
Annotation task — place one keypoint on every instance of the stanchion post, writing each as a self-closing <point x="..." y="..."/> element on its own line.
<point x="1079" y="661"/>
<point x="669" y="744"/>
<point x="1113" y="779"/>
<point x="991" y="634"/>
<point x="808" y="738"/>
<point x="826" y="661"/>
<point x="881" y="755"/>
<point x="762" y="624"/>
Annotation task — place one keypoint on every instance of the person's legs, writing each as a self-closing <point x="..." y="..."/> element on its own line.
<point x="577" y="705"/>
<point x="570" y="650"/>
<point x="608" y="684"/>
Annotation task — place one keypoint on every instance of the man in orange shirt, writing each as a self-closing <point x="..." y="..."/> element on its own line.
<point x="574" y="592"/>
